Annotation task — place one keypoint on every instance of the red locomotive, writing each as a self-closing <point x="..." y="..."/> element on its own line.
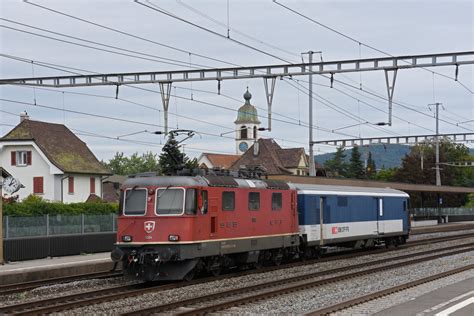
<point x="172" y="227"/>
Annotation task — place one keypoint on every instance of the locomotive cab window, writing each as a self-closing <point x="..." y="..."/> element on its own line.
<point x="254" y="201"/>
<point x="228" y="201"/>
<point x="134" y="202"/>
<point x="191" y="202"/>
<point x="169" y="201"/>
<point x="276" y="201"/>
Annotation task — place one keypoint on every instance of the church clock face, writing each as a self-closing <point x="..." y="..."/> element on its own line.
<point x="243" y="146"/>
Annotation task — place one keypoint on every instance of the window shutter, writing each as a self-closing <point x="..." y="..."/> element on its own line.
<point x="13" y="158"/>
<point x="92" y="185"/>
<point x="28" y="158"/>
<point x="38" y="185"/>
<point x="71" y="185"/>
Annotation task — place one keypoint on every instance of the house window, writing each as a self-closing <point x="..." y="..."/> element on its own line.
<point x="71" y="185"/>
<point x="276" y="201"/>
<point x="228" y="201"/>
<point x="92" y="181"/>
<point x="38" y="185"/>
<point x="254" y="201"/>
<point x="21" y="158"/>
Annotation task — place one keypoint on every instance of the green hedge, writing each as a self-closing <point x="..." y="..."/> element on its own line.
<point x="34" y="205"/>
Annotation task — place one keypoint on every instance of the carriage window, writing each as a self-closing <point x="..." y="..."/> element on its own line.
<point x="342" y="201"/>
<point x="228" y="201"/>
<point x="276" y="201"/>
<point x="254" y="201"/>
<point x="169" y="201"/>
<point x="135" y="202"/>
<point x="191" y="202"/>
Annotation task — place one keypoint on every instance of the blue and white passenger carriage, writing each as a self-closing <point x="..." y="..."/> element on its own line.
<point x="352" y="216"/>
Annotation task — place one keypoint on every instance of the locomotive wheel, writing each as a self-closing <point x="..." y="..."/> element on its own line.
<point x="216" y="272"/>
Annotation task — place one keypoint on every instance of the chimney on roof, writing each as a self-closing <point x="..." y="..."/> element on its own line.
<point x="24" y="116"/>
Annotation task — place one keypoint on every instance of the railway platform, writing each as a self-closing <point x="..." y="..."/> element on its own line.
<point x="455" y="299"/>
<point x="444" y="227"/>
<point x="40" y="269"/>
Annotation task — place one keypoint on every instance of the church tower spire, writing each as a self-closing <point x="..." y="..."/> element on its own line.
<point x="246" y="125"/>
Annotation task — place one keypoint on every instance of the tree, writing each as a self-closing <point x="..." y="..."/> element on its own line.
<point x="371" y="168"/>
<point x="337" y="164"/>
<point x="172" y="159"/>
<point x="356" y="168"/>
<point x="122" y="165"/>
<point x="411" y="172"/>
<point x="386" y="174"/>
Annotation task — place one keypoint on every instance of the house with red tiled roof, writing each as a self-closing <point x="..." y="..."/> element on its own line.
<point x="222" y="161"/>
<point x="275" y="160"/>
<point x="51" y="162"/>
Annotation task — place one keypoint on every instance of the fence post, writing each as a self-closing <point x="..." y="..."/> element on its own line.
<point x="6" y="226"/>
<point x="82" y="223"/>
<point x="47" y="224"/>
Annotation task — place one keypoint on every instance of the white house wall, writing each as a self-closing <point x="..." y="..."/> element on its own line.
<point x="38" y="168"/>
<point x="81" y="188"/>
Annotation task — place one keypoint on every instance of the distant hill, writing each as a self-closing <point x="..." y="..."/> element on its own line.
<point x="387" y="156"/>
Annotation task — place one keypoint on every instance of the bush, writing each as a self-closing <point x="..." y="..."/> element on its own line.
<point x="35" y="205"/>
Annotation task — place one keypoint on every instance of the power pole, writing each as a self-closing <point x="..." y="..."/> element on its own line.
<point x="312" y="169"/>
<point x="438" y="175"/>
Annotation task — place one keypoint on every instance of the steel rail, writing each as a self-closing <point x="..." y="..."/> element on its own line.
<point x="392" y="290"/>
<point x="301" y="284"/>
<point x="108" y="294"/>
<point x="25" y="286"/>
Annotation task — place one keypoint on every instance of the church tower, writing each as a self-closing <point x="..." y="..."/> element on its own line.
<point x="246" y="125"/>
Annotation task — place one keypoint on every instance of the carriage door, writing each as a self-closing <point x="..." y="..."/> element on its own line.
<point x="380" y="216"/>
<point x="322" y="202"/>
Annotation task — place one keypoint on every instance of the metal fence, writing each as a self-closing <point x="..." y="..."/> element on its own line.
<point x="55" y="225"/>
<point x="458" y="211"/>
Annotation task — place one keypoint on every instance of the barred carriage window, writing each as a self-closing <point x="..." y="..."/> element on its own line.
<point x="342" y="201"/>
<point x="228" y="201"/>
<point x="254" y="201"/>
<point x="276" y="201"/>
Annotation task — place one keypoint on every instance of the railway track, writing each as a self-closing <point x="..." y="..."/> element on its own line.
<point x="372" y="296"/>
<point x="26" y="286"/>
<point x="100" y="296"/>
<point x="251" y="294"/>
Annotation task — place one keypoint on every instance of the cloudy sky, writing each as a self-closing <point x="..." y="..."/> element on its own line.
<point x="273" y="33"/>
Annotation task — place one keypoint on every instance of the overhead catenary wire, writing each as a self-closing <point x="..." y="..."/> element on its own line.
<point x="364" y="44"/>
<point x="129" y="34"/>
<point x="154" y="7"/>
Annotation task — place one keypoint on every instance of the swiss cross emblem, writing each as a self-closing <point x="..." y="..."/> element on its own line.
<point x="149" y="226"/>
<point x="334" y="230"/>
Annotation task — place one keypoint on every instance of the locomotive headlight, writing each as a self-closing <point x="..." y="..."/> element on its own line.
<point x="173" y="237"/>
<point x="126" y="238"/>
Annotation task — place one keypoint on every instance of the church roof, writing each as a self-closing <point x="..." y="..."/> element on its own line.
<point x="247" y="113"/>
<point x="223" y="161"/>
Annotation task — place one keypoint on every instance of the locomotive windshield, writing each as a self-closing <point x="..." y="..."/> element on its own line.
<point x="135" y="202"/>
<point x="169" y="201"/>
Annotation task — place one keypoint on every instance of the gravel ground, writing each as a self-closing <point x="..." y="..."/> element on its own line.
<point x="164" y="297"/>
<point x="383" y="303"/>
<point x="311" y="300"/>
<point x="56" y="290"/>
